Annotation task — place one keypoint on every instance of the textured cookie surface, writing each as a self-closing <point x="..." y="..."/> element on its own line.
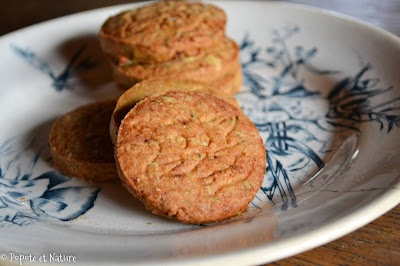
<point x="163" y="31"/>
<point x="157" y="86"/>
<point x="207" y="68"/>
<point x="230" y="83"/>
<point x="190" y="156"/>
<point x="80" y="143"/>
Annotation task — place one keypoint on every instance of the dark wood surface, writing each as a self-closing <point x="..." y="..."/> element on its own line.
<point x="377" y="243"/>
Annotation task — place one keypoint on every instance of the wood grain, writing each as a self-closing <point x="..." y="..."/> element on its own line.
<point x="378" y="243"/>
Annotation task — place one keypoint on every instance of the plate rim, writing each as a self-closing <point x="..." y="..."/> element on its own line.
<point x="349" y="223"/>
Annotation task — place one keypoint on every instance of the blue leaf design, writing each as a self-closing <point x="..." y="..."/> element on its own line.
<point x="54" y="177"/>
<point x="2" y="204"/>
<point x="28" y="189"/>
<point x="12" y="210"/>
<point x="34" y="60"/>
<point x="288" y="135"/>
<point x="299" y="91"/>
<point x="61" y="81"/>
<point x="6" y="215"/>
<point x="338" y="88"/>
<point x="65" y="203"/>
<point x="50" y="206"/>
<point x="25" y="200"/>
<point x="351" y="103"/>
<point x="23" y="220"/>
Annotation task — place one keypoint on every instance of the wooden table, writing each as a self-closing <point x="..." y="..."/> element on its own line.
<point x="375" y="244"/>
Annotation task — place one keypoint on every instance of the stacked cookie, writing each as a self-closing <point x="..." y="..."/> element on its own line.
<point x="155" y="86"/>
<point x="80" y="144"/>
<point x="179" y="141"/>
<point x="185" y="150"/>
<point x="190" y="156"/>
<point x="172" y="39"/>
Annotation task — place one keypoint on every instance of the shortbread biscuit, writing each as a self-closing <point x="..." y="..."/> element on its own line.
<point x="157" y="86"/>
<point x="230" y="83"/>
<point x="207" y="68"/>
<point x="163" y="31"/>
<point x="190" y="156"/>
<point x="80" y="144"/>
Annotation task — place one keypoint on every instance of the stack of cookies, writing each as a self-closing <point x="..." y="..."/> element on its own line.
<point x="179" y="141"/>
<point x="172" y="39"/>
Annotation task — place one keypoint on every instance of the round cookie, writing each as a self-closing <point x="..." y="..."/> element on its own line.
<point x="163" y="31"/>
<point x="207" y="68"/>
<point x="190" y="156"/>
<point x="80" y="144"/>
<point x="157" y="86"/>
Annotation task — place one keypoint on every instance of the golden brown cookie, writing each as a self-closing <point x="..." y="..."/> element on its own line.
<point x="207" y="68"/>
<point x="80" y="144"/>
<point x="190" y="156"/>
<point x="163" y="31"/>
<point x="157" y="86"/>
<point x="230" y="83"/>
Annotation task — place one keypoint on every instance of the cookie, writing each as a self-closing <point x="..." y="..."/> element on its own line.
<point x="80" y="144"/>
<point x="207" y="68"/>
<point x="230" y="83"/>
<point x="190" y="156"/>
<point x="157" y="86"/>
<point x="163" y="31"/>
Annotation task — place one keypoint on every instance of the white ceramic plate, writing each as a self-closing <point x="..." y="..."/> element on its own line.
<point x="322" y="89"/>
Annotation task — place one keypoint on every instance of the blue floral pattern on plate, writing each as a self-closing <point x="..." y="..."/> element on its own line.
<point x="297" y="134"/>
<point x="63" y="80"/>
<point x="25" y="199"/>
<point x="287" y="112"/>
